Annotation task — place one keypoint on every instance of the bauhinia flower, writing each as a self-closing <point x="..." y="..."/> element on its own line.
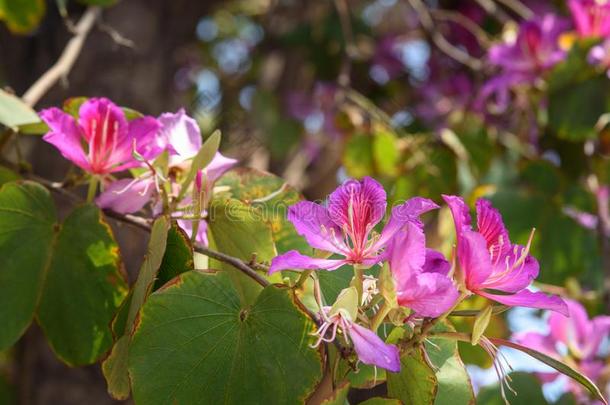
<point x="182" y="139"/>
<point x="368" y="346"/>
<point x="490" y="265"/>
<point x="344" y="226"/>
<point x="591" y="17"/>
<point x="575" y="340"/>
<point x="525" y="58"/>
<point x="102" y="141"/>
<point x="420" y="274"/>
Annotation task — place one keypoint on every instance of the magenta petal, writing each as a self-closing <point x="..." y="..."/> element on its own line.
<point x="65" y="135"/>
<point x="293" y="260"/>
<point x="313" y="222"/>
<point x="539" y="342"/>
<point x="473" y="258"/>
<point x="372" y="350"/>
<point x="410" y="211"/>
<point x="428" y="294"/>
<point x="218" y="166"/>
<point x="357" y="204"/>
<point x="126" y="196"/>
<point x="144" y="135"/>
<point x="491" y="226"/>
<point x="101" y="119"/>
<point x="182" y="135"/>
<point x="436" y="263"/>
<point x="529" y="299"/>
<point x="460" y="212"/>
<point x="407" y="253"/>
<point x="202" y="231"/>
<point x="521" y="275"/>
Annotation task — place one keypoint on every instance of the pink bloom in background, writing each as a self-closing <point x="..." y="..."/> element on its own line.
<point x="522" y="61"/>
<point x="101" y="140"/>
<point x="490" y="264"/>
<point x="576" y="338"/>
<point x="181" y="137"/>
<point x="591" y="17"/>
<point x="420" y="274"/>
<point x="599" y="56"/>
<point x="344" y="226"/>
<point x="368" y="346"/>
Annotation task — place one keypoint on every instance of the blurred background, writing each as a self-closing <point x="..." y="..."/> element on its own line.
<point x="482" y="98"/>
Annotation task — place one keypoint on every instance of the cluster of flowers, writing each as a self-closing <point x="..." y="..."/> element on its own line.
<point x="103" y="142"/>
<point x="488" y="264"/>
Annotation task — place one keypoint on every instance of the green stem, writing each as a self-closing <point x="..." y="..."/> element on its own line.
<point x="302" y="279"/>
<point x="380" y="316"/>
<point x="358" y="280"/>
<point x="93" y="183"/>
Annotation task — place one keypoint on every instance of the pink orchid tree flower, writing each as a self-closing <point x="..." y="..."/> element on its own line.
<point x="344" y="226"/>
<point x="420" y="274"/>
<point x="576" y="340"/>
<point x="490" y="265"/>
<point x="591" y="17"/>
<point x="101" y="141"/>
<point x="181" y="137"/>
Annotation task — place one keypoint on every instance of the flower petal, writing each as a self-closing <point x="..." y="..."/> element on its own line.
<point x="428" y="294"/>
<point x="410" y="211"/>
<point x="511" y="272"/>
<point x="126" y="196"/>
<point x="293" y="260"/>
<point x="460" y="212"/>
<point x="357" y="204"/>
<point x="491" y="226"/>
<point x="436" y="263"/>
<point x="539" y="342"/>
<point x="473" y="258"/>
<point x="529" y="299"/>
<point x="182" y="135"/>
<point x="202" y="231"/>
<point x="313" y="222"/>
<point x="143" y="133"/>
<point x="407" y="254"/>
<point x="66" y="136"/>
<point x="372" y="350"/>
<point x="218" y="166"/>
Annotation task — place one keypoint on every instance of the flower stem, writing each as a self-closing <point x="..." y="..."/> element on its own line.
<point x="93" y="183"/>
<point x="380" y="316"/>
<point x="358" y="279"/>
<point x="302" y="279"/>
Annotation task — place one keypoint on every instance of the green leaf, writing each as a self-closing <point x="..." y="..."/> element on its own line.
<point x="339" y="395"/>
<point x="526" y="385"/>
<point x="178" y="256"/>
<point x="272" y="196"/>
<point x="386" y="155"/>
<point x="381" y="401"/>
<point x="557" y="365"/>
<point x="358" y="157"/>
<point x="200" y="161"/>
<point x="13" y="111"/>
<point x="115" y="366"/>
<point x="332" y="282"/>
<point x="416" y="382"/>
<point x="454" y="385"/>
<point x="68" y="274"/>
<point x="347" y="301"/>
<point x="195" y="343"/>
<point x="7" y="175"/>
<point x="481" y="321"/>
<point x="22" y="16"/>
<point x="237" y="230"/>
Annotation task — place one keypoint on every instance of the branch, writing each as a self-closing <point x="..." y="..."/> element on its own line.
<point x="439" y="40"/>
<point x="64" y="64"/>
<point x="348" y="37"/>
<point x="518" y="7"/>
<point x="469" y="25"/>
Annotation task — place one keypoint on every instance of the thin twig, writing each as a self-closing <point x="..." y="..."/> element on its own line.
<point x="439" y="40"/>
<point x="116" y="36"/>
<point x="348" y="37"/>
<point x="492" y="8"/>
<point x="519" y="8"/>
<point x="64" y="64"/>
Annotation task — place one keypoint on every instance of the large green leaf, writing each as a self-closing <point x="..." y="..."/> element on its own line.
<point x="196" y="343"/>
<point x="338" y="396"/>
<point x="22" y="16"/>
<point x="13" y="111"/>
<point x="381" y="401"/>
<point x="416" y="382"/>
<point x="68" y="274"/>
<point x="454" y="385"/>
<point x="526" y="385"/>
<point x="178" y="256"/>
<point x="115" y="366"/>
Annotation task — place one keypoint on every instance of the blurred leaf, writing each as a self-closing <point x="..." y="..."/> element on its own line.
<point x="481" y="321"/>
<point x="7" y="392"/>
<point x="385" y="153"/>
<point x="416" y="382"/>
<point x="195" y="343"/>
<point x="7" y="175"/>
<point x="454" y="385"/>
<point x="22" y="16"/>
<point x="526" y="385"/>
<point x="68" y="275"/>
<point x="358" y="156"/>
<point x="281" y="134"/>
<point x="381" y="401"/>
<point x="13" y="111"/>
<point x="115" y="366"/>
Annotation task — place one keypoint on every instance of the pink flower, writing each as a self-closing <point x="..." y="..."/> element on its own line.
<point x="368" y="346"/>
<point x="345" y="226"/>
<point x="490" y="264"/>
<point x="101" y="141"/>
<point x="581" y="336"/>
<point x="420" y="274"/>
<point x="591" y="17"/>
